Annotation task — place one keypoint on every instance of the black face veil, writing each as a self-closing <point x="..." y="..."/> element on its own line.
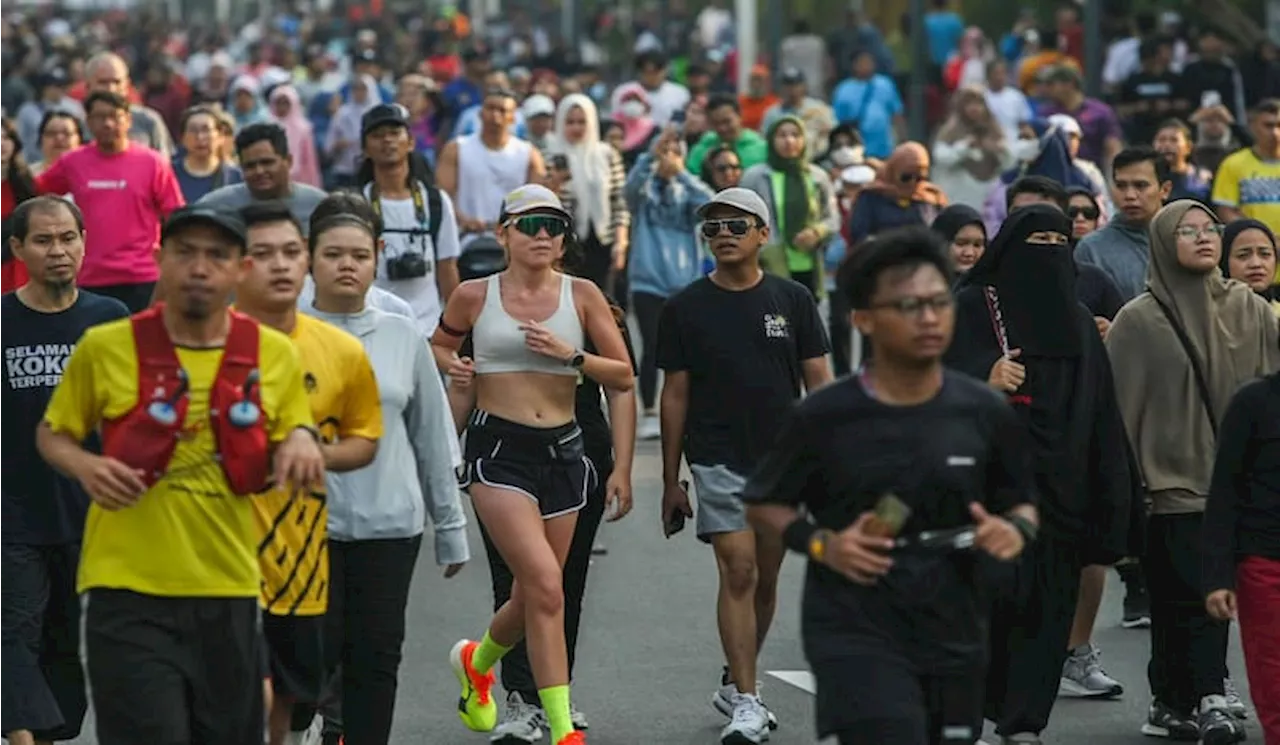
<point x="1034" y="282"/>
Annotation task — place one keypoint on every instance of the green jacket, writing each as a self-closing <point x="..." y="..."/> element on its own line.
<point x="751" y="149"/>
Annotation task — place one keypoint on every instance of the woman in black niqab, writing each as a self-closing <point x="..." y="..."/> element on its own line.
<point x="1021" y="295"/>
<point x="1026" y="279"/>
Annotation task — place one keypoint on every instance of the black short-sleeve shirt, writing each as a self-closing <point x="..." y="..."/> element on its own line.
<point x="743" y="351"/>
<point x="841" y="450"/>
<point x="40" y="506"/>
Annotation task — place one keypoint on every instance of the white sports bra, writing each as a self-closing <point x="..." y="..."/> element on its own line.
<point x="499" y="344"/>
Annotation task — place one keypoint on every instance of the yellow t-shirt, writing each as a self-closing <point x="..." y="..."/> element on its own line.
<point x="1251" y="185"/>
<point x="188" y="535"/>
<point x="292" y="528"/>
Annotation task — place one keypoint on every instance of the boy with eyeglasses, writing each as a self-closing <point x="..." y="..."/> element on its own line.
<point x="738" y="347"/>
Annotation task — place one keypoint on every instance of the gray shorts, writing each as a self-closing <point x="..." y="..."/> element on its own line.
<point x="720" y="509"/>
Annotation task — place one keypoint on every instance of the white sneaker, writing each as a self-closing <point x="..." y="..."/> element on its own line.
<point x="1235" y="705"/>
<point x="521" y="722"/>
<point x="578" y="718"/>
<point x="312" y="735"/>
<point x="722" y="701"/>
<point x="1082" y="677"/>
<point x="650" y="428"/>
<point x="750" y="725"/>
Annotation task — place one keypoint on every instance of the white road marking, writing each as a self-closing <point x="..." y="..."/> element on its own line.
<point x="802" y="679"/>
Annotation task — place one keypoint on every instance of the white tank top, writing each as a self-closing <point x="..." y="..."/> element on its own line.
<point x="486" y="177"/>
<point x="498" y="343"/>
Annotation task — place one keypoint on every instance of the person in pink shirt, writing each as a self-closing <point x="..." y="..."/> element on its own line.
<point x="126" y="191"/>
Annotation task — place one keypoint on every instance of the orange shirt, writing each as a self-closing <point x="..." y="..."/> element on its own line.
<point x="753" y="109"/>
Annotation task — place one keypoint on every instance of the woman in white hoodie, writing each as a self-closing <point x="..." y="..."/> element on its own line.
<point x="377" y="514"/>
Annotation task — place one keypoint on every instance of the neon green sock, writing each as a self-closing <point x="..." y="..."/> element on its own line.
<point x="555" y="702"/>
<point x="487" y="654"/>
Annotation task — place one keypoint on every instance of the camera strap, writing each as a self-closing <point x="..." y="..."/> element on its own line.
<point x="426" y="211"/>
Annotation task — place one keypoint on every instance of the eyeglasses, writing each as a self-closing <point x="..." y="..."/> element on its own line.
<point x="910" y="178"/>
<point x="726" y="167"/>
<point x="914" y="307"/>
<point x="1088" y="213"/>
<point x="737" y="226"/>
<point x="1191" y="232"/>
<point x="531" y="225"/>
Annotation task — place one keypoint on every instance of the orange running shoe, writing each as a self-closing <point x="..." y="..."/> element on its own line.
<point x="573" y="738"/>
<point x="476" y="707"/>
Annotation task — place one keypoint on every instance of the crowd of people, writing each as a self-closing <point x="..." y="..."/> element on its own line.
<point x="270" y="313"/>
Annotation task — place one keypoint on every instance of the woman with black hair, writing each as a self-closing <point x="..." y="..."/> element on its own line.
<point x="1249" y="255"/>
<point x="1020" y="327"/>
<point x="60" y="132"/>
<point x="1086" y="212"/>
<point x="17" y="185"/>
<point x="722" y="168"/>
<point x="962" y="228"/>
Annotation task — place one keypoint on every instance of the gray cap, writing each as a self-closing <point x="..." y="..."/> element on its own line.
<point x="533" y="198"/>
<point x="740" y="199"/>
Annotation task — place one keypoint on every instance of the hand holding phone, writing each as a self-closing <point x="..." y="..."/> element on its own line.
<point x="890" y="515"/>
<point x="675" y="508"/>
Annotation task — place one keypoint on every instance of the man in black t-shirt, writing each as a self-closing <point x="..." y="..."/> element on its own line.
<point x="738" y="347"/>
<point x="43" y="512"/>
<point x="898" y="470"/>
<point x="1152" y="94"/>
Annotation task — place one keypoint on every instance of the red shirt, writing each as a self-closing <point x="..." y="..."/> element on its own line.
<point x="13" y="273"/>
<point x="125" y="197"/>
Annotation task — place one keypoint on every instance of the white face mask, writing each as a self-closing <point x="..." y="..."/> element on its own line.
<point x="633" y="109"/>
<point x="1025" y="150"/>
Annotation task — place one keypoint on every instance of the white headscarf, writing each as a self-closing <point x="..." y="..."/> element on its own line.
<point x="589" y="165"/>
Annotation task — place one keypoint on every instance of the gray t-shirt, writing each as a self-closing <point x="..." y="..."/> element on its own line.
<point x="302" y="200"/>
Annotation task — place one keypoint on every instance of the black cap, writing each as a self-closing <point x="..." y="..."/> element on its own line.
<point x="56" y="76"/>
<point x="365" y="55"/>
<point x="383" y="113"/>
<point x="791" y="76"/>
<point x="185" y="217"/>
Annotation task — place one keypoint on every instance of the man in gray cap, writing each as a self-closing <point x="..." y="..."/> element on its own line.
<point x="738" y="347"/>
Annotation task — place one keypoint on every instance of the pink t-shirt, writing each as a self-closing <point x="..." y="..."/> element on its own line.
<point x="125" y="198"/>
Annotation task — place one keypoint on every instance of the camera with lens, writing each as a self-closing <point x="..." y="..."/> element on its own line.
<point x="408" y="265"/>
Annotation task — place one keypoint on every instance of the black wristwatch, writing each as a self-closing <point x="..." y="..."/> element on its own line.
<point x="578" y="359"/>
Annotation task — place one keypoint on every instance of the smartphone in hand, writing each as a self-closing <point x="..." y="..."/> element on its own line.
<point x="676" y="523"/>
<point x="890" y="515"/>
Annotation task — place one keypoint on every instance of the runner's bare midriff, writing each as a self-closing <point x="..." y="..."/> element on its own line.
<point x="530" y="398"/>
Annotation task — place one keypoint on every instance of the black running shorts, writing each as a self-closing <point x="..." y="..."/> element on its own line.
<point x="295" y="650"/>
<point x="549" y="466"/>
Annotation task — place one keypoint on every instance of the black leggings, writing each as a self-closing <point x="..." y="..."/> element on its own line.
<point x="648" y="309"/>
<point x="517" y="673"/>
<point x="364" y="632"/>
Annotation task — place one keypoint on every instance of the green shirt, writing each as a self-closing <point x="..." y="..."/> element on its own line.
<point x="751" y="149"/>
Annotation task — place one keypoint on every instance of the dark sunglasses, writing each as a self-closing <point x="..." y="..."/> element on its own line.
<point x="726" y="167"/>
<point x="910" y="178"/>
<point x="531" y="225"/>
<point x="1089" y="213"/>
<point x="737" y="226"/>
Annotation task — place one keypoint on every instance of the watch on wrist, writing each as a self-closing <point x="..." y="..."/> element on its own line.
<point x="818" y="545"/>
<point x="576" y="360"/>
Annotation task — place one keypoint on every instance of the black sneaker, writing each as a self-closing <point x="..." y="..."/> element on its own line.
<point x="1169" y="724"/>
<point x="1217" y="726"/>
<point x="1137" y="604"/>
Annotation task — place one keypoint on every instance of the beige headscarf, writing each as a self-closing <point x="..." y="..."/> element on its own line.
<point x="1233" y="335"/>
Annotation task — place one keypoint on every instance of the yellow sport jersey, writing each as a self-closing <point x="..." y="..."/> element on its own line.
<point x="188" y="535"/>
<point x="1250" y="185"/>
<point x="343" y="396"/>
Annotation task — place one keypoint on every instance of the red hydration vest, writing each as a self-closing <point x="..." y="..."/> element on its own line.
<point x="146" y="437"/>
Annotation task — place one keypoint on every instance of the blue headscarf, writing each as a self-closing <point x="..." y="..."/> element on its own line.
<point x="1053" y="161"/>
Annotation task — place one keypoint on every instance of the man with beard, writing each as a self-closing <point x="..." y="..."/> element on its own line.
<point x="199" y="409"/>
<point x="738" y="347"/>
<point x="894" y="618"/>
<point x="1020" y="327"/>
<point x="43" y="512"/>
<point x="343" y="397"/>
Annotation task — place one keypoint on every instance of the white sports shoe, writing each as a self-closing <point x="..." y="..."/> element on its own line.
<point x="722" y="701"/>
<point x="521" y="722"/>
<point x="650" y="428"/>
<point x="310" y="736"/>
<point x="749" y="726"/>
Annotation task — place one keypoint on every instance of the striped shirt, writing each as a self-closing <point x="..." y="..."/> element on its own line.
<point x="619" y="215"/>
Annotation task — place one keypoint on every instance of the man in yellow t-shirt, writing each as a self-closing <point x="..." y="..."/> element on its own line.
<point x="292" y="525"/>
<point x="1248" y="181"/>
<point x="170" y="559"/>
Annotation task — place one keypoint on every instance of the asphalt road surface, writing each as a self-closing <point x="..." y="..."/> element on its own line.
<point x="649" y="658"/>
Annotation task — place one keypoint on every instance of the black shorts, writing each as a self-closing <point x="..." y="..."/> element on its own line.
<point x="873" y="699"/>
<point x="295" y="653"/>
<point x="173" y="670"/>
<point x="549" y="466"/>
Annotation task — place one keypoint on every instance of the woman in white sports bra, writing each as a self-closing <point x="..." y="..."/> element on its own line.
<point x="525" y="465"/>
